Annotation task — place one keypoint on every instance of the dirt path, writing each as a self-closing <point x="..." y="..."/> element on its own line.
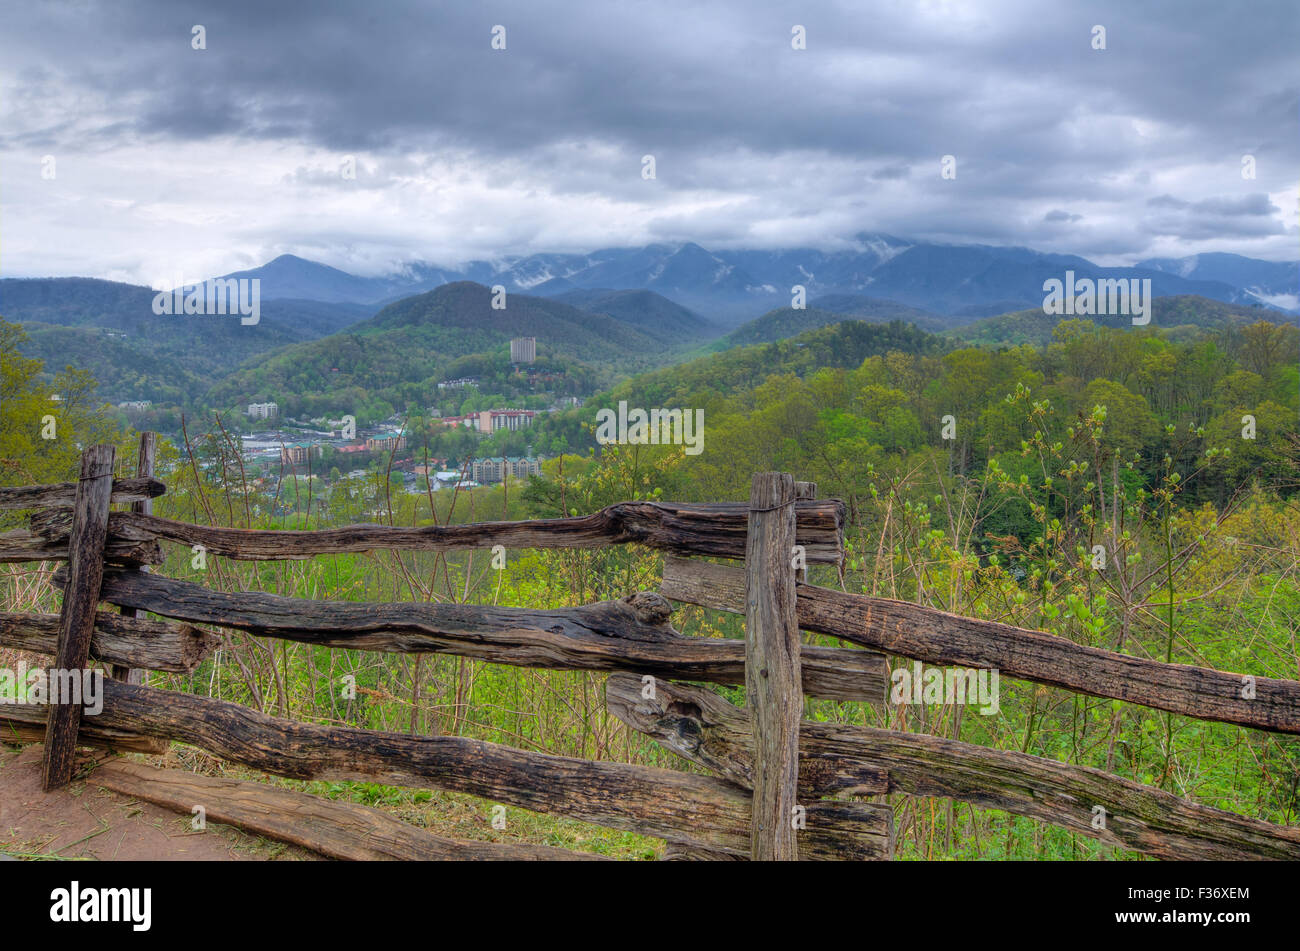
<point x="84" y="821"/>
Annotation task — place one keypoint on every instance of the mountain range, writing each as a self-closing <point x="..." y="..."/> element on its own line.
<point x="960" y="282"/>
<point x="611" y="311"/>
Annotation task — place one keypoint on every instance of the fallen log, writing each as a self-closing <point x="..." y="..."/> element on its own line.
<point x="340" y="830"/>
<point x="137" y="642"/>
<point x="838" y="758"/>
<point x="717" y="529"/>
<point x="696" y="811"/>
<point x="675" y="852"/>
<point x="633" y="634"/>
<point x="937" y="637"/>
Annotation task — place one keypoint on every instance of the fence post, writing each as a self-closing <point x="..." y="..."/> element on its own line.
<point x="143" y="468"/>
<point x="77" y="616"/>
<point x="773" y="683"/>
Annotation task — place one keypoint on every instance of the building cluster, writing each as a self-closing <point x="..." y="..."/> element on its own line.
<point x="386" y="442"/>
<point x="135" y="404"/>
<point x="497" y="468"/>
<point x="300" y="452"/>
<point x="418" y="475"/>
<point x="489" y="421"/>
<point x="458" y="383"/>
<point x="297" y="453"/>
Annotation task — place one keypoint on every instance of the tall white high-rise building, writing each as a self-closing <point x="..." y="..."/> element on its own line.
<point x="523" y="350"/>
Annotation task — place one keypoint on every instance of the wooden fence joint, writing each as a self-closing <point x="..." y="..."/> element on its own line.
<point x="77" y="616"/>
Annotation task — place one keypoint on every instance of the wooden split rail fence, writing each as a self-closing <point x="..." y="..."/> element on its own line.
<point x="775" y="786"/>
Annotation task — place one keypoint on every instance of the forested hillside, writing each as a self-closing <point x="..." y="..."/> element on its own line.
<point x="397" y="357"/>
<point x="110" y="329"/>
<point x="1187" y="310"/>
<point x="844" y="397"/>
<point x="1176" y="455"/>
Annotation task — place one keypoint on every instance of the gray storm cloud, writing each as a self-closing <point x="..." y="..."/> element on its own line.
<point x="167" y="156"/>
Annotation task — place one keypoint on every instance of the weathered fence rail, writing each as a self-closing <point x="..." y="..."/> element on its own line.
<point x="718" y="530"/>
<point x="680" y="807"/>
<point x="65" y="493"/>
<point x="838" y="759"/>
<point x="117" y="639"/>
<point x="773" y="771"/>
<point x="937" y="637"/>
<point x="632" y="634"/>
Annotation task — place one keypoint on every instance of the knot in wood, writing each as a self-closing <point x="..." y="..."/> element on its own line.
<point x="650" y="607"/>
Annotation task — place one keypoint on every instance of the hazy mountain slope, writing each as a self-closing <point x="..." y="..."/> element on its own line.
<point x="90" y="302"/>
<point x="1035" y="327"/>
<point x="843" y="344"/>
<point x="648" y="312"/>
<point x="110" y="329"/>
<point x="123" y="370"/>
<point x="1273" y="282"/>
<point x="980" y="281"/>
<point x="779" y="324"/>
<point x="785" y="322"/>
<point x="879" y="310"/>
<point x="463" y="310"/>
<point x="290" y="276"/>
<point x="78" y="302"/>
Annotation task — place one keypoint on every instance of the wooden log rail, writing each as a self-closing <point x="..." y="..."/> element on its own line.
<point x="63" y="494"/>
<point x="634" y="634"/>
<point x="717" y="529"/>
<point x="130" y="642"/>
<point x="838" y="758"/>
<point x="697" y="812"/>
<point x="18" y="727"/>
<point x="937" y="637"/>
<point x="19" y="545"/>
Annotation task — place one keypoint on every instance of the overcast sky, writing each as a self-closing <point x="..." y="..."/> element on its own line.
<point x="168" y="159"/>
